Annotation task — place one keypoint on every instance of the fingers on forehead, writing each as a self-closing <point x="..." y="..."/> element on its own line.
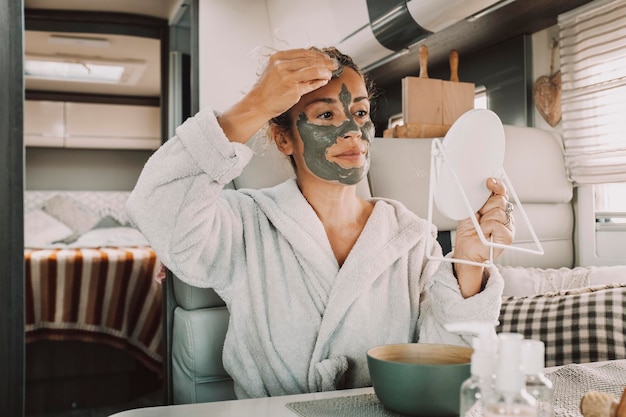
<point x="306" y="64"/>
<point x="300" y="54"/>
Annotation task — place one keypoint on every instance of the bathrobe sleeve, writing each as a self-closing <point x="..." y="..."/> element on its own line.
<point x="443" y="303"/>
<point x="177" y="203"/>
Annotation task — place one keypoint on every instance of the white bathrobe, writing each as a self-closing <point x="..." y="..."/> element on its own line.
<point x="298" y="321"/>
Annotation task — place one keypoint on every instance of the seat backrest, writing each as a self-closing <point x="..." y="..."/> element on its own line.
<point x="534" y="164"/>
<point x="196" y="319"/>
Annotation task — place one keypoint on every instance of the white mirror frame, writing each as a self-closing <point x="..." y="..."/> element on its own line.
<point x="439" y="160"/>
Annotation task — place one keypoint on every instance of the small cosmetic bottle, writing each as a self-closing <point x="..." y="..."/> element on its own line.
<point x="481" y="383"/>
<point x="537" y="384"/>
<point x="510" y="398"/>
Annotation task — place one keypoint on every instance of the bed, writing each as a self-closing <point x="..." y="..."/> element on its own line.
<point x="90" y="276"/>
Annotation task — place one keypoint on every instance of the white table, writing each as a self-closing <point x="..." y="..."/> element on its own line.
<point x="257" y="407"/>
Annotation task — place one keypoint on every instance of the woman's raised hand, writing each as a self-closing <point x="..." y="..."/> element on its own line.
<point x="288" y="76"/>
<point x="496" y="222"/>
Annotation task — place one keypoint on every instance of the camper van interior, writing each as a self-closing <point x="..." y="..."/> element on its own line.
<point x="100" y="326"/>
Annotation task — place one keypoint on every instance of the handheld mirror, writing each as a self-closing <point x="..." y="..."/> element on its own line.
<point x="473" y="151"/>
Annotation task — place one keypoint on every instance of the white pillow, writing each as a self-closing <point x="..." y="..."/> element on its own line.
<point x="110" y="236"/>
<point x="42" y="229"/>
<point x="524" y="281"/>
<point x="70" y="212"/>
<point x="601" y="275"/>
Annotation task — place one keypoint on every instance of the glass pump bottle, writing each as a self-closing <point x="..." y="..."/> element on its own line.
<point x="510" y="397"/>
<point x="537" y="384"/>
<point x="480" y="384"/>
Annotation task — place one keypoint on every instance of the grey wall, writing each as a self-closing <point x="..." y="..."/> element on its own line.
<point x="83" y="169"/>
<point x="11" y="210"/>
<point x="506" y="70"/>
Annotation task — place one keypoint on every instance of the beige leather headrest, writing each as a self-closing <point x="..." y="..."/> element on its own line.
<point x="533" y="162"/>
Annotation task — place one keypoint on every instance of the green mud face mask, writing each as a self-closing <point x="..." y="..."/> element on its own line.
<point x="317" y="139"/>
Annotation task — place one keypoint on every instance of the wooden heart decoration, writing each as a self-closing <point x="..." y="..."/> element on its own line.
<point x="547" y="95"/>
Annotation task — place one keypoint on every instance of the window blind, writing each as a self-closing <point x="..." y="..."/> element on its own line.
<point x="592" y="49"/>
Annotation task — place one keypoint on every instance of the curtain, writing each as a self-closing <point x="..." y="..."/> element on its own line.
<point x="593" y="67"/>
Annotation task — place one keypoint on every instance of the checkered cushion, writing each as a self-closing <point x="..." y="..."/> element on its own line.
<point x="577" y="326"/>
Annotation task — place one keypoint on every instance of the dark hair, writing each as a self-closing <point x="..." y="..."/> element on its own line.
<point x="283" y="121"/>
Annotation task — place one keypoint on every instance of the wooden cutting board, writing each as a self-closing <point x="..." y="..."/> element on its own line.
<point x="422" y="97"/>
<point x="422" y="100"/>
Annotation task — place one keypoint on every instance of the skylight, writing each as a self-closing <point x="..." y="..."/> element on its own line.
<point x="79" y="69"/>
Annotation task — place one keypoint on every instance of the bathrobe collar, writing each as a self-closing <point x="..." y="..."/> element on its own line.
<point x="390" y="232"/>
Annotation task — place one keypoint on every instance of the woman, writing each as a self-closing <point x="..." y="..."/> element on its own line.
<point x="312" y="275"/>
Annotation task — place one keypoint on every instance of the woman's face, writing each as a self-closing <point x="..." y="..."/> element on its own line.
<point x="333" y="130"/>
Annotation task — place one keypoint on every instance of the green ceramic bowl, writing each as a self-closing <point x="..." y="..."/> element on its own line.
<point x="419" y="379"/>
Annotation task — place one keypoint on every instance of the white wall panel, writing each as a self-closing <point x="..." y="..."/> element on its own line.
<point x="303" y="23"/>
<point x="610" y="244"/>
<point x="593" y="246"/>
<point x="229" y="33"/>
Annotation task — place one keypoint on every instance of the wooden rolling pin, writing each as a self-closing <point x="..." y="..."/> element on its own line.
<point x="600" y="404"/>
<point x="454" y="66"/>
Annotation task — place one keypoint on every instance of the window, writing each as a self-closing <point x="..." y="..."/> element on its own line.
<point x="610" y="204"/>
<point x="593" y="66"/>
<point x="592" y="48"/>
<point x="480" y="97"/>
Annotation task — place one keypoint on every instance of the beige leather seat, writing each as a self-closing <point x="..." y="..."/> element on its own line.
<point x="196" y="319"/>
<point x="535" y="165"/>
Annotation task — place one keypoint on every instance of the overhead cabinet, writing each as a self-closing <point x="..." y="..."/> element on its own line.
<point x="44" y="123"/>
<point x="88" y="125"/>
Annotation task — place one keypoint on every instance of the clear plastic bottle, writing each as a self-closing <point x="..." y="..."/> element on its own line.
<point x="537" y="384"/>
<point x="510" y="398"/>
<point x="481" y="382"/>
<point x="480" y="385"/>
